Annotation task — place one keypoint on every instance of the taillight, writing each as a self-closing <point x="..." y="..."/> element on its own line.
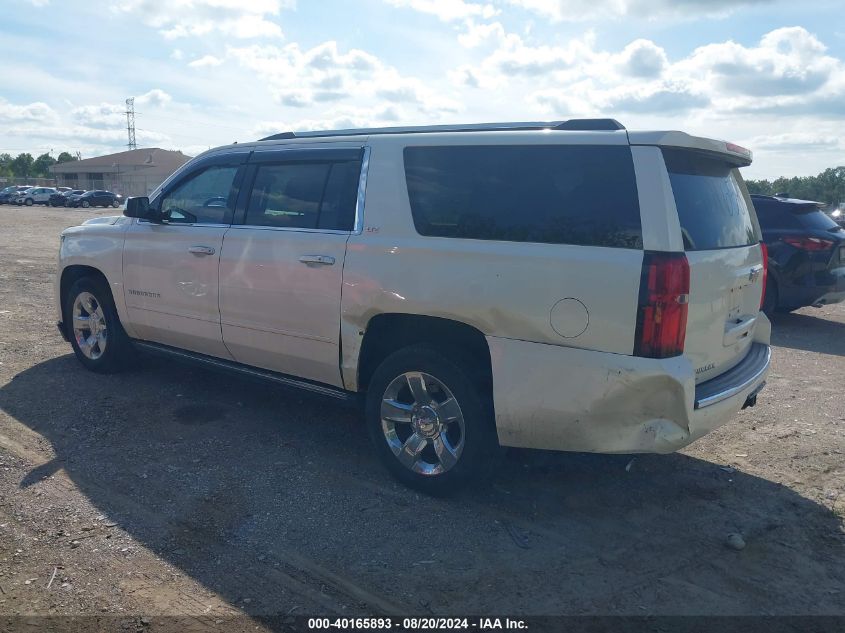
<point x="765" y="250"/>
<point x="664" y="298"/>
<point x="814" y="244"/>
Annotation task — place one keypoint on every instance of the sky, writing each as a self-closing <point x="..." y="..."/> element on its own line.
<point x="766" y="74"/>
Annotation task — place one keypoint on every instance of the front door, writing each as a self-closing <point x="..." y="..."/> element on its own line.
<point x="281" y="270"/>
<point x="170" y="270"/>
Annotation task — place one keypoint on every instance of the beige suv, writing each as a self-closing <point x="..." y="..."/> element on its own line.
<point x="570" y="286"/>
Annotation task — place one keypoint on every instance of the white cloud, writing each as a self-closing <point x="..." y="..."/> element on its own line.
<point x="347" y="118"/>
<point x="324" y="74"/>
<point x="643" y="58"/>
<point x="788" y="70"/>
<point x="242" y="19"/>
<point x="448" y="10"/>
<point x="573" y="10"/>
<point x="35" y="112"/>
<point x="105" y="115"/>
<point x="797" y="141"/>
<point x="477" y="34"/>
<point x="155" y="98"/>
<point x="205" y="61"/>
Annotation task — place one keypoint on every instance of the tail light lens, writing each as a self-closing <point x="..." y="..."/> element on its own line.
<point x="663" y="304"/>
<point x="814" y="244"/>
<point x="765" y="250"/>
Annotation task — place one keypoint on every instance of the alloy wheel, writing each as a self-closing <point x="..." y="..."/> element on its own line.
<point x="422" y="423"/>
<point x="89" y="326"/>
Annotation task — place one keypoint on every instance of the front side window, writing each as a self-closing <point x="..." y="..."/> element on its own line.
<point x="556" y="194"/>
<point x="205" y="198"/>
<point x="304" y="196"/>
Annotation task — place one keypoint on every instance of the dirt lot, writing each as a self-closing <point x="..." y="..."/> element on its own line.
<point x="170" y="490"/>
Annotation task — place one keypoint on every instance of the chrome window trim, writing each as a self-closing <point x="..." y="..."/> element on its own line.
<point x="358" y="226"/>
<point x="140" y="221"/>
<point x="293" y="229"/>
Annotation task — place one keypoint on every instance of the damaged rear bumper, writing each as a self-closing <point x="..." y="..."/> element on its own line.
<point x="559" y="398"/>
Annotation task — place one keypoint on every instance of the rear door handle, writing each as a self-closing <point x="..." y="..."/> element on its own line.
<point x="325" y="260"/>
<point x="201" y="250"/>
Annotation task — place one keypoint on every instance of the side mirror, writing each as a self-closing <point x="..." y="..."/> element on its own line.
<point x="140" y="208"/>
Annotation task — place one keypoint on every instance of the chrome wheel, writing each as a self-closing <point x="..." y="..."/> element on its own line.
<point x="89" y="325"/>
<point x="422" y="423"/>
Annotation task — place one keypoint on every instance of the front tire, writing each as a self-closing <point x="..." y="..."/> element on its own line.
<point x="29" y="202"/>
<point x="430" y="421"/>
<point x="115" y="204"/>
<point x="85" y="204"/>
<point x="96" y="335"/>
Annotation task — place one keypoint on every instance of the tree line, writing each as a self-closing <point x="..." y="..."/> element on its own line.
<point x="25" y="166"/>
<point x="828" y="186"/>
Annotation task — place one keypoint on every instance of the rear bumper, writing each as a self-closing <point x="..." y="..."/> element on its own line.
<point x="829" y="289"/>
<point x="558" y="398"/>
<point x="749" y="373"/>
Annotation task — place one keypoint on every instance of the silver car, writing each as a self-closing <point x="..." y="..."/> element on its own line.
<point x="34" y="195"/>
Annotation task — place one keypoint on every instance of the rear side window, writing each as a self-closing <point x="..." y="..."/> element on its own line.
<point x="557" y="194"/>
<point x="304" y="196"/>
<point x="714" y="208"/>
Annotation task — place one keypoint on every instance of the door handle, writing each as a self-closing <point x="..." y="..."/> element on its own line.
<point x="201" y="250"/>
<point x="326" y="260"/>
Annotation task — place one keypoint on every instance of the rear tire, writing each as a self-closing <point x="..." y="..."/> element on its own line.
<point x="430" y="421"/>
<point x="96" y="335"/>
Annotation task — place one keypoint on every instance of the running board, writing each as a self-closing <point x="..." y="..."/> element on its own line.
<point x="245" y="370"/>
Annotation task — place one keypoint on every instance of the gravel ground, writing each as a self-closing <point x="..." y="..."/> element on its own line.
<point x="169" y="490"/>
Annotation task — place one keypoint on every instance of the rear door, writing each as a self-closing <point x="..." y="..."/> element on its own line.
<point x="721" y="239"/>
<point x="281" y="269"/>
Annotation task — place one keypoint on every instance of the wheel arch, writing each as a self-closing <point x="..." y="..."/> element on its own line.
<point x="388" y="332"/>
<point x="70" y="275"/>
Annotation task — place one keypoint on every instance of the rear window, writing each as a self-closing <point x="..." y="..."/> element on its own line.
<point x="816" y="219"/>
<point x="714" y="208"/>
<point x="556" y="194"/>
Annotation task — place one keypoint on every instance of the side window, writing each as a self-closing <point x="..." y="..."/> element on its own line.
<point x="555" y="194"/>
<point x="304" y="196"/>
<point x="205" y="198"/>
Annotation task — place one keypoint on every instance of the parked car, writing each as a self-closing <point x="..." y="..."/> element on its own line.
<point x="806" y="253"/>
<point x="837" y="216"/>
<point x="63" y="189"/>
<point x="9" y="193"/>
<point x="95" y="198"/>
<point x="6" y="193"/>
<point x="34" y="195"/>
<point x="516" y="285"/>
<point x="60" y="198"/>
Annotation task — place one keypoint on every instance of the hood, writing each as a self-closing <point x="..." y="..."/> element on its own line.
<point x="109" y="219"/>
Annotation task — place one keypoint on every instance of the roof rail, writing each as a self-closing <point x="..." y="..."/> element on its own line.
<point x="580" y="125"/>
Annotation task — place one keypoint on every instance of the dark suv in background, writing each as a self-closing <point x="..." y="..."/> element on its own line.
<point x="806" y="253"/>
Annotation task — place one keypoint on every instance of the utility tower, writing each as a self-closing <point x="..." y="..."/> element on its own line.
<point x="130" y="122"/>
